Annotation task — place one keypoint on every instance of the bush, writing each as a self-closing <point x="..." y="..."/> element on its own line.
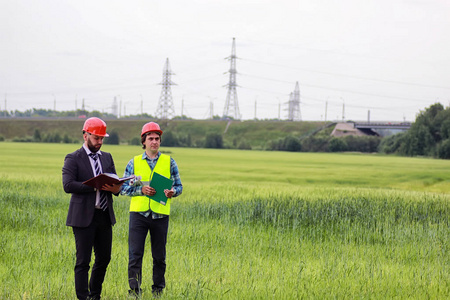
<point x="37" y="136"/>
<point x="426" y="134"/>
<point x="315" y="144"/>
<point x="274" y="145"/>
<point x="169" y="139"/>
<point x="289" y="143"/>
<point x="185" y="140"/>
<point x="337" y="145"/>
<point x="25" y="139"/>
<point x="391" y="144"/>
<point x="244" y="145"/>
<point x="366" y="144"/>
<point x="135" y="141"/>
<point x="67" y="139"/>
<point x="113" y="138"/>
<point x="445" y="129"/>
<point x="52" y="138"/>
<point x="444" y="149"/>
<point x="214" y="140"/>
<point x="292" y="143"/>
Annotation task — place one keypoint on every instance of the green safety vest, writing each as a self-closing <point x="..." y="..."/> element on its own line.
<point x="141" y="168"/>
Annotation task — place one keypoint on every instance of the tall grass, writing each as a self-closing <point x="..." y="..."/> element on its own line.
<point x="249" y="225"/>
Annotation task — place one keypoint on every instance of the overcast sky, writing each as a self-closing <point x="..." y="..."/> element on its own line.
<point x="391" y="57"/>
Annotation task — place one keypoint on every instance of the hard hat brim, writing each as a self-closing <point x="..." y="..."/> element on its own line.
<point x="157" y="131"/>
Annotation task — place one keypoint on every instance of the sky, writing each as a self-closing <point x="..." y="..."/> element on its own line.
<point x="377" y="60"/>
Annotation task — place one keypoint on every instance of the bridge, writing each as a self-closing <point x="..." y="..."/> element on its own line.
<point x="382" y="129"/>
<point x="388" y="125"/>
<point x="370" y="128"/>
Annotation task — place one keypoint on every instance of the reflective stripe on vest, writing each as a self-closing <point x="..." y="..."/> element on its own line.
<point x="141" y="168"/>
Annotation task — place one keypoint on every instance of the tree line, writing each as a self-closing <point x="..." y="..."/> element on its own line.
<point x="428" y="136"/>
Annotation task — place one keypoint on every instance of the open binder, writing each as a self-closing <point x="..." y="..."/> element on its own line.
<point x="106" y="178"/>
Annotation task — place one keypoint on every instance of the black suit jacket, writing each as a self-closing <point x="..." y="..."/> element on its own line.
<point x="77" y="169"/>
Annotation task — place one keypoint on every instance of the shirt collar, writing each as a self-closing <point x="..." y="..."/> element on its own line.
<point x="145" y="156"/>
<point x="89" y="151"/>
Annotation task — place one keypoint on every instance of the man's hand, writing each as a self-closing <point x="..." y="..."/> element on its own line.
<point x="169" y="193"/>
<point x="148" y="191"/>
<point x="113" y="188"/>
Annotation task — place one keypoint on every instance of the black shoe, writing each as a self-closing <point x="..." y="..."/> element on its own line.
<point x="157" y="292"/>
<point x="97" y="297"/>
<point x="135" y="294"/>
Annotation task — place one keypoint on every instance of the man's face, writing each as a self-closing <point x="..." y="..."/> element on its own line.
<point x="93" y="142"/>
<point x="152" y="142"/>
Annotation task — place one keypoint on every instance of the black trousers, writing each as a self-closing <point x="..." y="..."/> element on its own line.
<point x="138" y="228"/>
<point x="97" y="236"/>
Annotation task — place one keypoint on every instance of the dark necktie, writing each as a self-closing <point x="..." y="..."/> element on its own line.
<point x="103" y="198"/>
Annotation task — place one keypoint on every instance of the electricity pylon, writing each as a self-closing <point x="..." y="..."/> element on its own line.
<point x="294" y="105"/>
<point x="231" y="108"/>
<point x="165" y="109"/>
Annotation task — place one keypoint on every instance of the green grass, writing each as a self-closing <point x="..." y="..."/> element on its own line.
<point x="249" y="225"/>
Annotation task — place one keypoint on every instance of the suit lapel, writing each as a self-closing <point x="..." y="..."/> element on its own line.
<point x="84" y="158"/>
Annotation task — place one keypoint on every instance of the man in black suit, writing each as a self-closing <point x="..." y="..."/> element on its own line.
<point x="91" y="213"/>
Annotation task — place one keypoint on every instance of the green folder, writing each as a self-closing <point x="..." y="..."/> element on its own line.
<point x="160" y="183"/>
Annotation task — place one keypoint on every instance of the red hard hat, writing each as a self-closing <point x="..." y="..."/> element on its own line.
<point x="151" y="127"/>
<point x="95" y="126"/>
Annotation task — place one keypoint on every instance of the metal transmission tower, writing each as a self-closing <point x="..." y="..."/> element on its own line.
<point x="294" y="105"/>
<point x="115" y="108"/>
<point x="165" y="109"/>
<point x="231" y="108"/>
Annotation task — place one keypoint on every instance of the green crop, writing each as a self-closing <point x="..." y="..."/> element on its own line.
<point x="249" y="225"/>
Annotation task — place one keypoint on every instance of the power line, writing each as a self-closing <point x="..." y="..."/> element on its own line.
<point x="352" y="76"/>
<point x="339" y="89"/>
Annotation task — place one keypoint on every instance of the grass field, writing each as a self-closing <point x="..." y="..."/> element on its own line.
<point x="249" y="225"/>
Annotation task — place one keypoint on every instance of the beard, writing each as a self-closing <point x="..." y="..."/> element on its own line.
<point x="92" y="147"/>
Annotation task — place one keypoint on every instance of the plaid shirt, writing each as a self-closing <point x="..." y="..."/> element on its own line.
<point x="136" y="189"/>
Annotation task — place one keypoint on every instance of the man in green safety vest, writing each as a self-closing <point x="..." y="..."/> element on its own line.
<point x="147" y="214"/>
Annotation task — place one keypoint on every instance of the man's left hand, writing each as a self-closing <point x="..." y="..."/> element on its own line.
<point x="113" y="188"/>
<point x="169" y="193"/>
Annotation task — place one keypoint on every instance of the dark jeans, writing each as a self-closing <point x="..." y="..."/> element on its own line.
<point x="97" y="235"/>
<point x="138" y="228"/>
